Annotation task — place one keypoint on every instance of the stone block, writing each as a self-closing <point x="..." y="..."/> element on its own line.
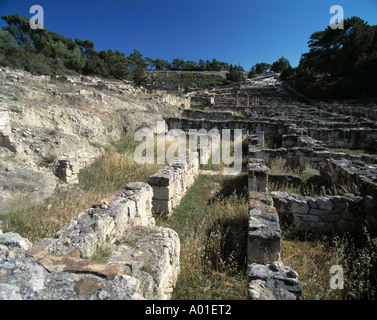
<point x="310" y="218"/>
<point x="152" y="255"/>
<point x="264" y="236"/>
<point x="298" y="206"/>
<point x="163" y="177"/>
<point x="164" y="192"/>
<point x="141" y="193"/>
<point x="273" y="282"/>
<point x="325" y="203"/>
<point x="316" y="212"/>
<point x="162" y="206"/>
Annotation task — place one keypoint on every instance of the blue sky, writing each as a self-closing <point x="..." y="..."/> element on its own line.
<point x="241" y="32"/>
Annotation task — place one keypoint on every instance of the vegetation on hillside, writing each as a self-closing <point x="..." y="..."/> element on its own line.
<point x="40" y="51"/>
<point x="341" y="63"/>
<point x="192" y="80"/>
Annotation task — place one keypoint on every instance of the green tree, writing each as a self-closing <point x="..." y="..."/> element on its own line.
<point x="235" y="74"/>
<point x="19" y="28"/>
<point x="161" y="64"/>
<point x="190" y="65"/>
<point x="341" y="63"/>
<point x="116" y="63"/>
<point x="6" y="41"/>
<point x="139" y="78"/>
<point x="262" y="67"/>
<point x="252" y="73"/>
<point x="136" y="61"/>
<point x="86" y="47"/>
<point x="177" y="64"/>
<point x="280" y="65"/>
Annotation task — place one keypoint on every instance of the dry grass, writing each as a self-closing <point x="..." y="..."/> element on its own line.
<point x="106" y="175"/>
<point x="279" y="166"/>
<point x="213" y="242"/>
<point x="312" y="261"/>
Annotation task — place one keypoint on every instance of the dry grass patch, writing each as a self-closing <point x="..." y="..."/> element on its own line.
<point x="106" y="175"/>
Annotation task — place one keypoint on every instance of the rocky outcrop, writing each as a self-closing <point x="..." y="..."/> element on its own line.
<point x="46" y="119"/>
<point x="24" y="183"/>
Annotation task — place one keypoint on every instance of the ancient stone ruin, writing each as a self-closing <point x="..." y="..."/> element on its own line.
<point x="301" y="133"/>
<point x="144" y="259"/>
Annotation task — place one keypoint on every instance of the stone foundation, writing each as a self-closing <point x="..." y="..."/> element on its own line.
<point x="172" y="182"/>
<point x="143" y="263"/>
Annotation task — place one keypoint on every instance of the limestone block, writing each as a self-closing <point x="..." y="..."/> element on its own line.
<point x="141" y="193"/>
<point x="273" y="282"/>
<point x="104" y="227"/>
<point x="162" y="206"/>
<point x="263" y="236"/>
<point x="164" y="192"/>
<point x="152" y="254"/>
<point x="325" y="203"/>
<point x="163" y="177"/>
<point x="14" y="240"/>
<point x="257" y="176"/>
<point x="298" y="206"/>
<point x="316" y="212"/>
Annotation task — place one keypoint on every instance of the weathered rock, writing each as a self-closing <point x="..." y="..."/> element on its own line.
<point x="298" y="206"/>
<point x="27" y="183"/>
<point x="14" y="240"/>
<point x="66" y="263"/>
<point x="151" y="254"/>
<point x="273" y="282"/>
<point x="263" y="233"/>
<point x="87" y="285"/>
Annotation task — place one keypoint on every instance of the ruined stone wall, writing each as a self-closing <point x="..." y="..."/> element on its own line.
<point x="198" y="114"/>
<point x="143" y="263"/>
<point x="294" y="157"/>
<point x="172" y="182"/>
<point x="322" y="215"/>
<point x="369" y="112"/>
<point x="354" y="173"/>
<point x="273" y="128"/>
<point x="268" y="278"/>
<point x="352" y="138"/>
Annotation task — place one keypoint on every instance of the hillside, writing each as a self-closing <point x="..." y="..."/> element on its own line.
<point x="45" y="119"/>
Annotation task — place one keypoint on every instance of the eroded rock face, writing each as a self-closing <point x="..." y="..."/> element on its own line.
<point x="46" y="119"/>
<point x="146" y="267"/>
<point x="22" y="182"/>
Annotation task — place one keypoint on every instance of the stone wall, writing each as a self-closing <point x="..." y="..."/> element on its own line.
<point x="172" y="182"/>
<point x="143" y="263"/>
<point x="342" y="213"/>
<point x="68" y="169"/>
<point x="322" y="214"/>
<point x="369" y="112"/>
<point x="355" y="174"/>
<point x="272" y="129"/>
<point x="198" y="114"/>
<point x="268" y="278"/>
<point x="352" y="138"/>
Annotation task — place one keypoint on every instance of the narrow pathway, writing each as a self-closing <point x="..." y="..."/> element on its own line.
<point x="212" y="226"/>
